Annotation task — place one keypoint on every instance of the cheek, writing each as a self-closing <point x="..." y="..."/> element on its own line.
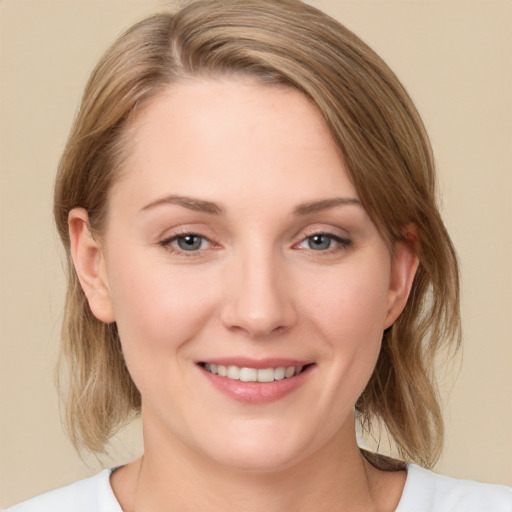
<point x="349" y="314"/>
<point x="157" y="310"/>
<point x="350" y="303"/>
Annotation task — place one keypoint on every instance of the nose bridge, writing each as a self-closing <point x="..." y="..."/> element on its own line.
<point x="258" y="297"/>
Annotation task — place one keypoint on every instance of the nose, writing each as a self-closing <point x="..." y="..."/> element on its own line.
<point x="258" y="296"/>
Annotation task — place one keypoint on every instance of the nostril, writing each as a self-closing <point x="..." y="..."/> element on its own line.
<point x="257" y="305"/>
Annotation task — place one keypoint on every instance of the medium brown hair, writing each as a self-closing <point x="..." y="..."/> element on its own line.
<point x="385" y="149"/>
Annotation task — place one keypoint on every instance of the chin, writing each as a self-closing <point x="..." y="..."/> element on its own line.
<point x="261" y="450"/>
<point x="257" y="460"/>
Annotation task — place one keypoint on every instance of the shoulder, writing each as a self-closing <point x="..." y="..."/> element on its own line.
<point x="426" y="491"/>
<point x="92" y="494"/>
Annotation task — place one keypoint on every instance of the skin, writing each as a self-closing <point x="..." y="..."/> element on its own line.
<point x="256" y="285"/>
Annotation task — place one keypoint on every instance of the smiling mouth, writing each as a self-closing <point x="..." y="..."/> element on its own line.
<point x="245" y="374"/>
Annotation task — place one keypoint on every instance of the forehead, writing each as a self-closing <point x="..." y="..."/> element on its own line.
<point x="216" y="137"/>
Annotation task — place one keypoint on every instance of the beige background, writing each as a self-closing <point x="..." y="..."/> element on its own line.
<point x="455" y="57"/>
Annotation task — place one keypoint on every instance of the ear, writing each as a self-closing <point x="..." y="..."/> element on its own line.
<point x="404" y="264"/>
<point x="90" y="265"/>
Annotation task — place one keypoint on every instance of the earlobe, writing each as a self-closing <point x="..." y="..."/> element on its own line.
<point x="403" y="269"/>
<point x="90" y="265"/>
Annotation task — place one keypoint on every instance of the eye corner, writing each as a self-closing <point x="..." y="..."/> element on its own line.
<point x="323" y="242"/>
<point x="187" y="244"/>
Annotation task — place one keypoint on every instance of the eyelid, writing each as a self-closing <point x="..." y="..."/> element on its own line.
<point x="327" y="230"/>
<point x="342" y="242"/>
<point x="167" y="243"/>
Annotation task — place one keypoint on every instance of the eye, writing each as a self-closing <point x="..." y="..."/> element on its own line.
<point x="187" y="242"/>
<point x="324" y="242"/>
<point x="319" y="242"/>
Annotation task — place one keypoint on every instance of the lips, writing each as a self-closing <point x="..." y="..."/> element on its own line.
<point x="256" y="381"/>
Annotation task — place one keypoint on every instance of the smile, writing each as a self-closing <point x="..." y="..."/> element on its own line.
<point x="257" y="382"/>
<point x="246" y="374"/>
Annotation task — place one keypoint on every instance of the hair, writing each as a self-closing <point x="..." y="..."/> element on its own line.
<point x="384" y="146"/>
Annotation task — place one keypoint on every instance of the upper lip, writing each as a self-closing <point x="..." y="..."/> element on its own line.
<point x="246" y="362"/>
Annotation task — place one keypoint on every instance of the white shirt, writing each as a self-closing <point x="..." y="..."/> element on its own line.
<point x="424" y="491"/>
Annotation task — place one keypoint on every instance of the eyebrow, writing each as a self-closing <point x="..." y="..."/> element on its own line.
<point x="325" y="204"/>
<point x="191" y="203"/>
<point x="200" y="205"/>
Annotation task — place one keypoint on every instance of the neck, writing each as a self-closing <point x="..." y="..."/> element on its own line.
<point x="171" y="476"/>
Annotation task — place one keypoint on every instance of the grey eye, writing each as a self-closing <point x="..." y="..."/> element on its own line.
<point x="190" y="242"/>
<point x="319" y="242"/>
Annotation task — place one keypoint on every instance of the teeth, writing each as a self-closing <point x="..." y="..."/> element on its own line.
<point x="289" y="372"/>
<point x="253" y="374"/>
<point x="233" y="372"/>
<point x="266" y="375"/>
<point x="248" y="374"/>
<point x="279" y="373"/>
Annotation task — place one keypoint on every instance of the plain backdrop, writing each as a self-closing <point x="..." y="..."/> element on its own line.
<point x="455" y="58"/>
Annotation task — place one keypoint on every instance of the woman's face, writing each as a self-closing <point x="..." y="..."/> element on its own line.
<point x="236" y="244"/>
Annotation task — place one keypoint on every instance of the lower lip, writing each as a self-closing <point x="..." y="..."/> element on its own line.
<point x="257" y="392"/>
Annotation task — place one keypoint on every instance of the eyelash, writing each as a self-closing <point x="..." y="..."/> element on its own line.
<point x="340" y="243"/>
<point x="167" y="244"/>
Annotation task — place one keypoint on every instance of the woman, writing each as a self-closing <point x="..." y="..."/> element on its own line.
<point x="250" y="337"/>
